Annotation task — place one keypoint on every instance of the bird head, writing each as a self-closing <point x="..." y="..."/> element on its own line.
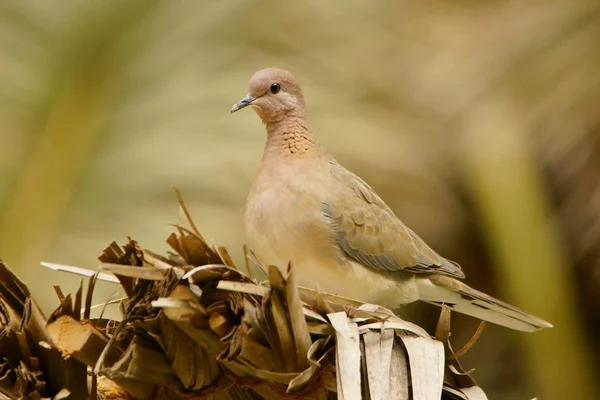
<point x="274" y="95"/>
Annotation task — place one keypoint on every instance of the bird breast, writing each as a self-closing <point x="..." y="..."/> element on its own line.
<point x="283" y="216"/>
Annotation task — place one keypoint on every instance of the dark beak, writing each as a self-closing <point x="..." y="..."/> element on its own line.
<point x="246" y="101"/>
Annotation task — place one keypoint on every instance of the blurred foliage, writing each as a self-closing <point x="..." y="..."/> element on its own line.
<point x="478" y="122"/>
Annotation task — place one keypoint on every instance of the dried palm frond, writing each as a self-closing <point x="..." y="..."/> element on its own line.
<point x="196" y="327"/>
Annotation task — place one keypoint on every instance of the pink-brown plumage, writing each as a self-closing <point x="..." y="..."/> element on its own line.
<point x="340" y="235"/>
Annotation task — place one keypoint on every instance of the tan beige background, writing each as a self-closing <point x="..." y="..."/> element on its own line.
<point x="477" y="121"/>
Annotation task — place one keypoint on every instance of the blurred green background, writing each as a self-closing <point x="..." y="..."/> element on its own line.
<point x="477" y="121"/>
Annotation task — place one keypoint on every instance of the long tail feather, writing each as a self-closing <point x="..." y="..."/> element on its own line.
<point x="461" y="298"/>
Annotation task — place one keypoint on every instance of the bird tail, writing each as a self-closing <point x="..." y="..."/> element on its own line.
<point x="438" y="290"/>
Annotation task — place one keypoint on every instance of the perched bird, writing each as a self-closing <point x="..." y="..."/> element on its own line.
<point x="341" y="237"/>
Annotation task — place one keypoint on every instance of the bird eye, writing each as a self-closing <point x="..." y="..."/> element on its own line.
<point x="275" y="88"/>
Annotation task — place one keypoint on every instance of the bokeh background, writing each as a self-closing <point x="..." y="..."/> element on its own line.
<point x="477" y="121"/>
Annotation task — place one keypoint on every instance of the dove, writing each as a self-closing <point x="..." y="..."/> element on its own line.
<point x="340" y="236"/>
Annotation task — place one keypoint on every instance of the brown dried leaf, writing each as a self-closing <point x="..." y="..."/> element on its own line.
<point x="455" y="371"/>
<point x="298" y="322"/>
<point x="158" y="261"/>
<point x="185" y="355"/>
<point x="454" y="392"/>
<point x="76" y="312"/>
<point x="80" y="339"/>
<point x="180" y="329"/>
<point x="193" y="248"/>
<point x="185" y="219"/>
<point x="224" y="256"/>
<point x="399" y="373"/>
<point x="81" y="271"/>
<point x="257" y="355"/>
<point x="69" y="374"/>
<point x="394" y="323"/>
<point x="442" y="329"/>
<point x="278" y="329"/>
<point x="210" y="272"/>
<point x="455" y="374"/>
<point x="474" y="393"/>
<point x="89" y="296"/>
<point x="13" y="292"/>
<point x="316" y="355"/>
<point x="463" y="350"/>
<point x="140" y="369"/>
<point x="111" y="391"/>
<point x="426" y="360"/>
<point x="347" y="358"/>
<point x="130" y="254"/>
<point x="377" y="356"/>
<point x="243" y="287"/>
<point x="146" y="273"/>
<point x="276" y="280"/>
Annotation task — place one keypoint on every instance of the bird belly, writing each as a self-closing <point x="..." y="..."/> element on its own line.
<point x="352" y="280"/>
<point x="330" y="273"/>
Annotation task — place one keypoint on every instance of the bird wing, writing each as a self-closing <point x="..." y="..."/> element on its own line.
<point x="368" y="232"/>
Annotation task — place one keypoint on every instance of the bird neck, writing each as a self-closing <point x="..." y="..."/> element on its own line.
<point x="290" y="136"/>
